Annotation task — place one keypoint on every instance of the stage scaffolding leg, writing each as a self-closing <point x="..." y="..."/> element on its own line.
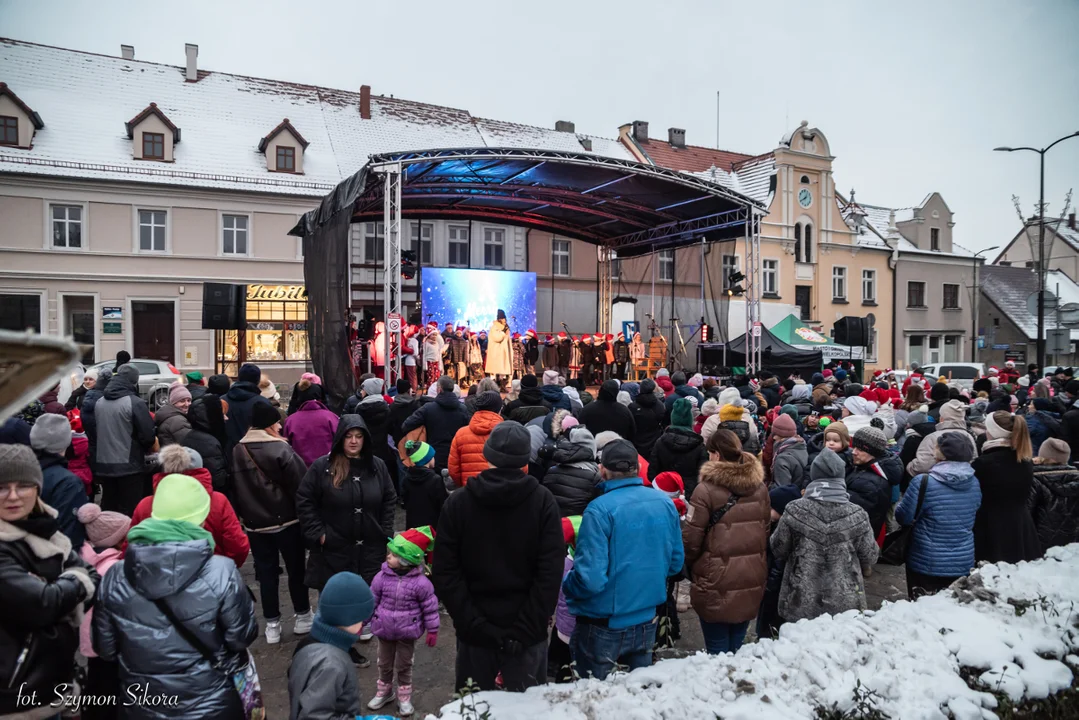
<point x="606" y="290"/>
<point x="753" y="292"/>
<point x="391" y="280"/>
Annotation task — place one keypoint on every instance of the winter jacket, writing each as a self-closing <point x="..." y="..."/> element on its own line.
<point x="310" y="430"/>
<point x="63" y="491"/>
<point x="1054" y="504"/>
<point x="1003" y="528"/>
<point x="172" y="425"/>
<point x="356" y="518"/>
<point x="88" y="412"/>
<point x="925" y="457"/>
<point x="744" y="431"/>
<point x="206" y="422"/>
<point x="606" y="413"/>
<point x="405" y="605"/>
<point x="124" y="430"/>
<point x="628" y="544"/>
<point x="229" y="538"/>
<point x="266" y="472"/>
<point x="301" y="396"/>
<point x="529" y="405"/>
<point x="74" y="400"/>
<point x="79" y="461"/>
<point x="564" y="622"/>
<point x="1043" y="425"/>
<point x="648" y="420"/>
<point x="51" y="404"/>
<point x="100" y="562"/>
<point x="466" y="451"/>
<point x="204" y="592"/>
<point x="323" y="683"/>
<point x="679" y="392"/>
<point x="1069" y="429"/>
<point x="825" y="547"/>
<point x="912" y="440"/>
<point x="400" y="409"/>
<point x="241" y="398"/>
<point x="770" y="391"/>
<point x="870" y="487"/>
<point x="942" y="542"/>
<point x="573" y="475"/>
<point x="45" y="584"/>
<point x="681" y="451"/>
<point x="424" y="492"/>
<point x="442" y="419"/>
<point x="728" y="563"/>
<point x="790" y="462"/>
<point x="498" y="558"/>
<point x="555" y="398"/>
<point x="550" y="356"/>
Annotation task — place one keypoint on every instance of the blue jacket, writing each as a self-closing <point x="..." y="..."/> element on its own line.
<point x="64" y="492"/>
<point x="682" y="391"/>
<point x="943" y="540"/>
<point x="628" y="544"/>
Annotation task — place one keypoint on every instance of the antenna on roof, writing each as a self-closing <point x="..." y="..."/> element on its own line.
<point x="717" y="119"/>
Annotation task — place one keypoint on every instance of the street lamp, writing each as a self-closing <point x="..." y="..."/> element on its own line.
<point x="1041" y="239"/>
<point x="974" y="304"/>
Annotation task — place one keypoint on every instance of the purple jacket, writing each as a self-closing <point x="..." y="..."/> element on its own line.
<point x="564" y="622"/>
<point x="310" y="431"/>
<point x="405" y="605"/>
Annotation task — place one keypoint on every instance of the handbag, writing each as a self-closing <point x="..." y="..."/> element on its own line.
<point x="897" y="544"/>
<point x="245" y="680"/>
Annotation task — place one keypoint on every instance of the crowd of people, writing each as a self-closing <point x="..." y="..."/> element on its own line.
<point x="563" y="533"/>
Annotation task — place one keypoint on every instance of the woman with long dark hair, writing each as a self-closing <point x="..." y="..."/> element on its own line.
<point x="1003" y="528"/>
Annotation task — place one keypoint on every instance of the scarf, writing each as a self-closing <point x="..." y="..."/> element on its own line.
<point x="996" y="443"/>
<point x="332" y="635"/>
<point x="830" y="491"/>
<point x="38" y="523"/>
<point x="156" y="532"/>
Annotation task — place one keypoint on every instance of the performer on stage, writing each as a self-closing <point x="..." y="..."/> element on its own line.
<point x="621" y="356"/>
<point x="499" y="354"/>
<point x="410" y="351"/>
<point x="433" y="349"/>
<point x="576" y="359"/>
<point x="378" y="351"/>
<point x="517" y="360"/>
<point x="475" y="358"/>
<point x="565" y="354"/>
<point x="550" y="354"/>
<point x="637" y="354"/>
<point x="532" y="352"/>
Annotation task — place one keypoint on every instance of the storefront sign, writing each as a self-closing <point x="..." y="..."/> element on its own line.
<point x="264" y="326"/>
<point x="112" y="328"/>
<point x="191" y="355"/>
<point x="297" y="293"/>
<point x="112" y="313"/>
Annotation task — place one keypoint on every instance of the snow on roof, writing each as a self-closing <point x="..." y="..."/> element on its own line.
<point x="84" y="100"/>
<point x="878" y="218"/>
<point x="752" y="177"/>
<point x="908" y="654"/>
<point x="1009" y="287"/>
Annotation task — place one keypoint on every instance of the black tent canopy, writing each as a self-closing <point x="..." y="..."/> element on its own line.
<point x="776" y="355"/>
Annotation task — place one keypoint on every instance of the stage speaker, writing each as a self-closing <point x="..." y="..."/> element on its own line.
<point x="709" y="359"/>
<point x="224" y="306"/>
<point x="853" y="331"/>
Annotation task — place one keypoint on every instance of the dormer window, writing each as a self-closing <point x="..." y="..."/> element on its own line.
<point x="153" y="146"/>
<point x="17" y="120"/>
<point x="284" y="147"/>
<point x="154" y="136"/>
<point x="9" y="130"/>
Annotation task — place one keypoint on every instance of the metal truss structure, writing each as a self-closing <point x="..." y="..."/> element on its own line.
<point x="391" y="278"/>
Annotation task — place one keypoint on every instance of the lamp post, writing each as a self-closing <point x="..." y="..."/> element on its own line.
<point x="974" y="303"/>
<point x="1041" y="238"/>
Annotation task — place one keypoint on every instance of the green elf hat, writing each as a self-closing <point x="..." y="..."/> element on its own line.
<point x="195" y="376"/>
<point x="412" y="545"/>
<point x="570" y="527"/>
<point x="824" y="422"/>
<point x="420" y="453"/>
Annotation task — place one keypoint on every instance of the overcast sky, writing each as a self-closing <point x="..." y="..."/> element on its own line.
<point x="913" y="96"/>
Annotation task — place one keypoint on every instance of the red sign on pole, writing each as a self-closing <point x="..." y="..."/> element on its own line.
<point x="756" y="329"/>
<point x="393" y="323"/>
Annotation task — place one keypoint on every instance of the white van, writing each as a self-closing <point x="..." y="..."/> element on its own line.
<point x="963" y="374"/>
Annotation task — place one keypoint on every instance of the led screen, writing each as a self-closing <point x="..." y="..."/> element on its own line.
<point x="473" y="297"/>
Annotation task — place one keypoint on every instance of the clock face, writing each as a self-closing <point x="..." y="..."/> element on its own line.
<point x="805" y="197"/>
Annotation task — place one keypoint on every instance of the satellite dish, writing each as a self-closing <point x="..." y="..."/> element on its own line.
<point x="1051" y="302"/>
<point x="872" y="319"/>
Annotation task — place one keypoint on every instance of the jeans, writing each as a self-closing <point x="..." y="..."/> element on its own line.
<point x="597" y="650"/>
<point x="265" y="549"/>
<point x="723" y="637"/>
<point x="919" y="585"/>
<point x="519" y="672"/>
<point x="395" y="656"/>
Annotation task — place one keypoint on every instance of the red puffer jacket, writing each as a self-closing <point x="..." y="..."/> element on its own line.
<point x="229" y="538"/>
<point x="79" y="462"/>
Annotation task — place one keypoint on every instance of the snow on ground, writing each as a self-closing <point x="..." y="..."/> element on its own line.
<point x="1013" y="623"/>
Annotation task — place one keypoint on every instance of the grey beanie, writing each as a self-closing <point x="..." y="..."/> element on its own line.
<point x="580" y="435"/>
<point x="372" y="386"/>
<point x="871" y="440"/>
<point x="508" y="446"/>
<point x="51" y="434"/>
<point x="196" y="458"/>
<point x="489" y="401"/>
<point x="828" y="466"/>
<point x="20" y="465"/>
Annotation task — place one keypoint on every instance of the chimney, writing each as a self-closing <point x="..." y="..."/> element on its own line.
<point x="564" y="126"/>
<point x="127" y="52"/>
<point x="1071" y="220"/>
<point x="640" y="130"/>
<point x="365" y="102"/>
<point x="192" y="62"/>
<point x="676" y="137"/>
<point x="586" y="143"/>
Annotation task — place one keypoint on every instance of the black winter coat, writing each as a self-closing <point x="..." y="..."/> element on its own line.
<point x="1003" y="528"/>
<point x="499" y="559"/>
<point x="1054" y="504"/>
<point x="65" y="493"/>
<point x="206" y="420"/>
<point x="1069" y="430"/>
<point x="241" y="398"/>
<point x="376" y="416"/>
<point x="529" y="405"/>
<point x="531" y="353"/>
<point x="74" y="400"/>
<point x="424" y="492"/>
<point x="572" y="476"/>
<point x="400" y="409"/>
<point x="910" y="449"/>
<point x="355" y="520"/>
<point x="872" y="491"/>
<point x="550" y="356"/>
<point x="565" y="352"/>
<point x="681" y="451"/>
<point x="442" y="419"/>
<point x="606" y="413"/>
<point x="266" y="474"/>
<point x="39" y="610"/>
<point x="648" y="418"/>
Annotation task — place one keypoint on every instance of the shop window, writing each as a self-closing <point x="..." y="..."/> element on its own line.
<point x="917" y="349"/>
<point x="951" y="348"/>
<point x="276" y="332"/>
<point x="20" y="313"/>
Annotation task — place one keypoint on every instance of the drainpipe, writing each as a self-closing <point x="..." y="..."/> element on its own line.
<point x="893" y="262"/>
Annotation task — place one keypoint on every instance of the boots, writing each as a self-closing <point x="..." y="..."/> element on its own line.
<point x="383" y="696"/>
<point x="404" y="700"/>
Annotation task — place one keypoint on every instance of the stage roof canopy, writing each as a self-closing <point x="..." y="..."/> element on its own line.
<point x="627" y="206"/>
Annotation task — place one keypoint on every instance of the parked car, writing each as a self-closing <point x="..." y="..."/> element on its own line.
<point x="155" y="377"/>
<point x="963" y="374"/>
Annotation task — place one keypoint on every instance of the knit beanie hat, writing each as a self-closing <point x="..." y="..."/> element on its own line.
<point x="104" y="529"/>
<point x="372" y="386"/>
<point x="219" y="384"/>
<point x="180" y="497"/>
<point x="345" y="600"/>
<point x="412" y="545"/>
<point x="839" y="429"/>
<point x="267" y="388"/>
<point x="508" y="446"/>
<point x="957" y="447"/>
<point x="1053" y="450"/>
<point x="729" y="396"/>
<point x="791" y="410"/>
<point x="730" y="413"/>
<point x="871" y="440"/>
<point x="264" y="415"/>
<point x="530" y="381"/>
<point x="648" y="386"/>
<point x="569" y="422"/>
<point x="710" y="407"/>
<point x="682" y="414"/>
<point x="249" y="372"/>
<point x="953" y="410"/>
<point x="420" y="453"/>
<point x="178" y="392"/>
<point x="490" y="401"/>
<point x="828" y="466"/>
<point x="784" y="427"/>
<point x="51" y="434"/>
<point x="20" y="465"/>
<point x="550" y="377"/>
<point x="816" y="379"/>
<point x="840" y="374"/>
<point x="938" y="392"/>
<point x="196" y="458"/>
<point x="663" y="372"/>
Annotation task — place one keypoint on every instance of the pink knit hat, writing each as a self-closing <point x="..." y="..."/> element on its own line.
<point x="178" y="392"/>
<point x="568" y="422"/>
<point x="311" y="377"/>
<point x="784" y="426"/>
<point x="104" y="529"/>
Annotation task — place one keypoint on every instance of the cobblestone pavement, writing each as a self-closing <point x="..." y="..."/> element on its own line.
<point x="433" y="674"/>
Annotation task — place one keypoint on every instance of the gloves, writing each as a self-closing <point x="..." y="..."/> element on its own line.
<point x="432" y="638"/>
<point x="512" y="648"/>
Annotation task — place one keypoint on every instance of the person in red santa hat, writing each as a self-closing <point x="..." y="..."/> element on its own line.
<point x="621" y="356"/>
<point x="410" y="351"/>
<point x="565" y="353"/>
<point x="532" y="351"/>
<point x="1009" y="376"/>
<point x="670" y="484"/>
<point x="550" y="353"/>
